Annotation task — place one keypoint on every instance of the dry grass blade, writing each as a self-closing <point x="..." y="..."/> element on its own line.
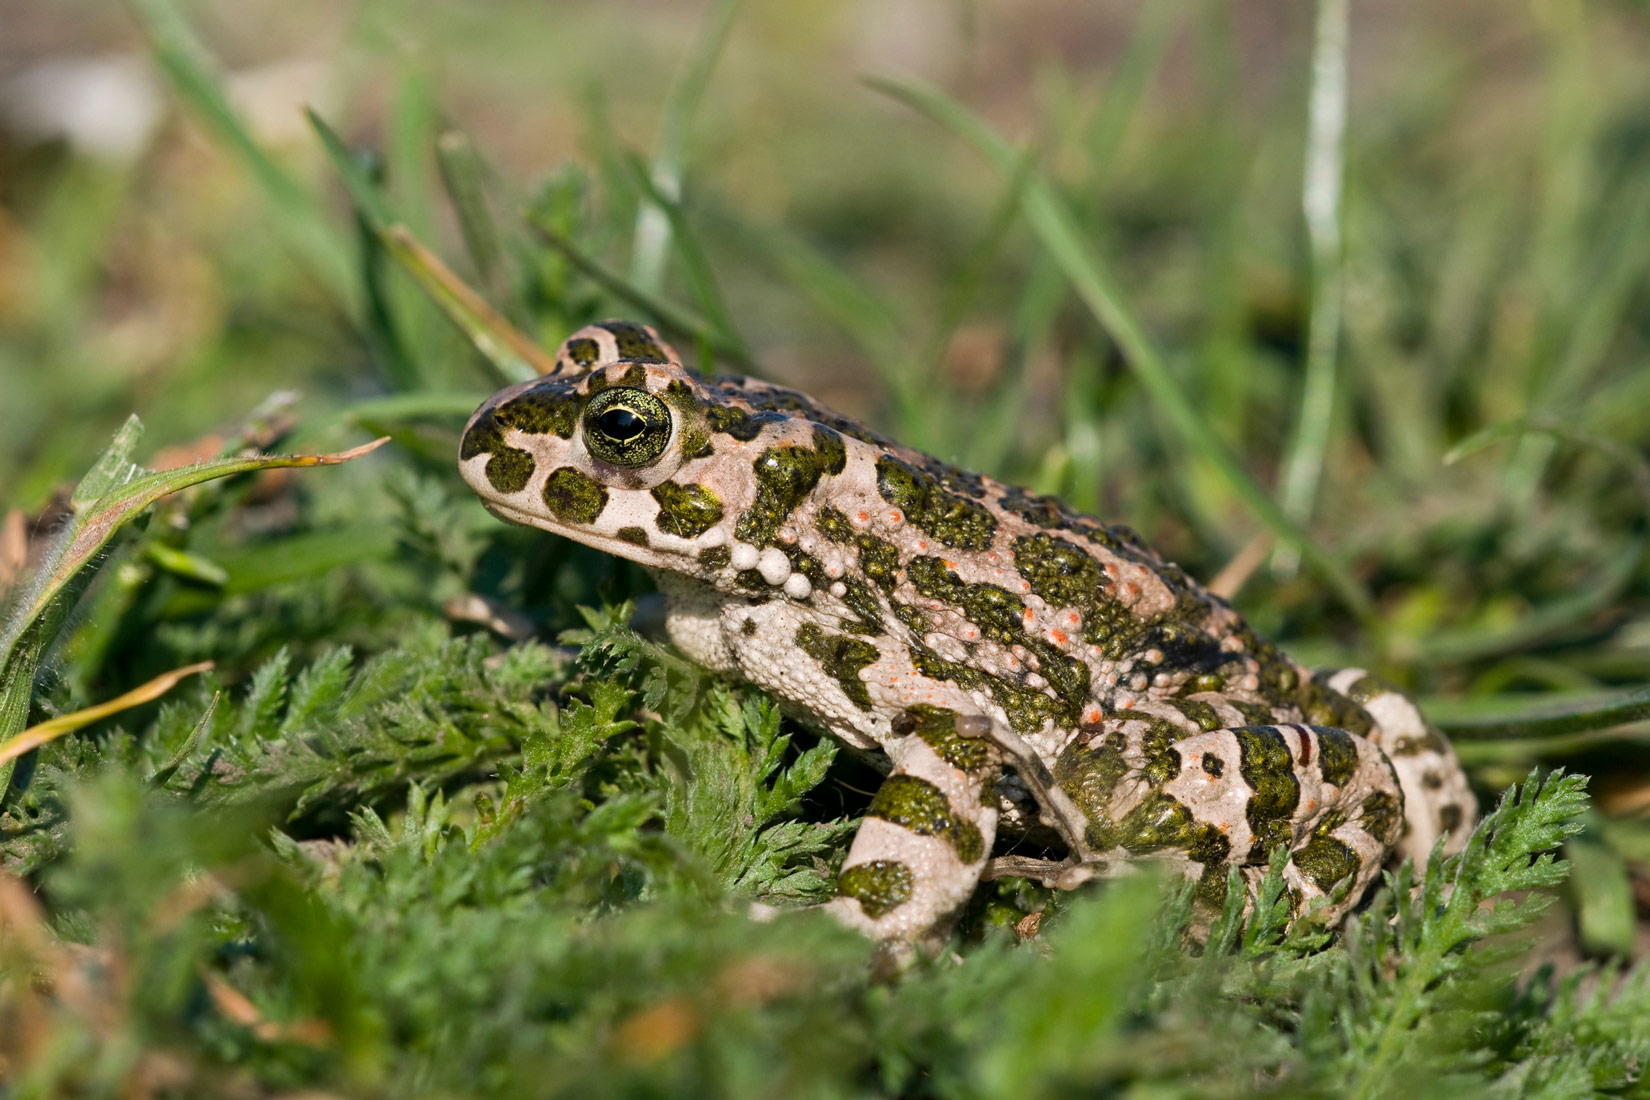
<point x="35" y="736"/>
<point x="484" y="325"/>
<point x="238" y="1008"/>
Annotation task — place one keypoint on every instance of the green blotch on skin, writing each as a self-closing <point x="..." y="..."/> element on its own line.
<point x="1185" y="646"/>
<point x="1044" y="511"/>
<point x="1061" y="572"/>
<point x="1337" y="756"/>
<point x="1160" y="822"/>
<point x="833" y="453"/>
<point x="509" y="470"/>
<point x="550" y="410"/>
<point x="1282" y="683"/>
<point x="1208" y="845"/>
<point x="1323" y="706"/>
<point x="1213" y="764"/>
<point x="715" y="557"/>
<point x="633" y="376"/>
<point x="634" y="342"/>
<point x="864" y="604"/>
<point x="633" y="535"/>
<point x="1027" y="710"/>
<point x="738" y="423"/>
<point x="1254" y="714"/>
<point x="879" y="885"/>
<point x="842" y="657"/>
<point x="1114" y="628"/>
<point x="547" y="411"/>
<point x="1199" y="712"/>
<point x="1329" y="822"/>
<point x="921" y="807"/>
<point x="1326" y="862"/>
<point x="583" y="351"/>
<point x="916" y="621"/>
<point x="1000" y="615"/>
<point x="834" y="525"/>
<point x="686" y="511"/>
<point x="1067" y="575"/>
<point x="937" y="727"/>
<point x="573" y="497"/>
<point x="1212" y="886"/>
<point x="1280" y="680"/>
<point x="1089" y="774"/>
<point x="1430" y="741"/>
<point x="1269" y="770"/>
<point x="954" y="520"/>
<point x="879" y="561"/>
<point x="785" y="475"/>
<point x="1157" y="746"/>
<point x="1367" y="687"/>
<point x="695" y="439"/>
<point x="808" y="565"/>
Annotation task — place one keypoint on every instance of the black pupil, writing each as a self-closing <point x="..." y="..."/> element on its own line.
<point x="621" y="424"/>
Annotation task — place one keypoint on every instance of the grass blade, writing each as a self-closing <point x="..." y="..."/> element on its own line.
<point x="654" y="225"/>
<point x="463" y="176"/>
<point x="181" y="56"/>
<point x="1543" y="622"/>
<point x="695" y="267"/>
<point x="675" y="320"/>
<point x="1061" y="236"/>
<point x="1634" y="464"/>
<point x="1321" y="205"/>
<point x="515" y="356"/>
<point x="1537" y="723"/>
<point x="69" y="562"/>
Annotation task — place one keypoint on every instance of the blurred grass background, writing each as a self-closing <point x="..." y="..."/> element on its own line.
<point x="727" y="166"/>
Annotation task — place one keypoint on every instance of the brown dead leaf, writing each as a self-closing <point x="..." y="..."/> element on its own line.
<point x="655" y="1032"/>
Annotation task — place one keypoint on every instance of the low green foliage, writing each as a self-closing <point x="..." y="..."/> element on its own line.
<point x="443" y="822"/>
<point x="582" y="931"/>
<point x="456" y="868"/>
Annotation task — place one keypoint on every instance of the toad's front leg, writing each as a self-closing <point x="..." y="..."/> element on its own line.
<point x="919" y="852"/>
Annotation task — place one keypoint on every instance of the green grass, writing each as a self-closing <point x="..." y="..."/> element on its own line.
<point x="382" y="850"/>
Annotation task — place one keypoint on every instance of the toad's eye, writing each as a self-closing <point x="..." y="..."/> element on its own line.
<point x="624" y="426"/>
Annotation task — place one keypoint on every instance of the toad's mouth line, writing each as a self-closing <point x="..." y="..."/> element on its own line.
<point x="586" y="536"/>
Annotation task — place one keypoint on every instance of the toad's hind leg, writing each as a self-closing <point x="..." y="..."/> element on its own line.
<point x="1211" y="800"/>
<point x="1437" y="801"/>
<point x="919" y="852"/>
<point x="1329" y="796"/>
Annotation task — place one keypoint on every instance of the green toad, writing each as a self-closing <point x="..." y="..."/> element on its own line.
<point x="1016" y="667"/>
